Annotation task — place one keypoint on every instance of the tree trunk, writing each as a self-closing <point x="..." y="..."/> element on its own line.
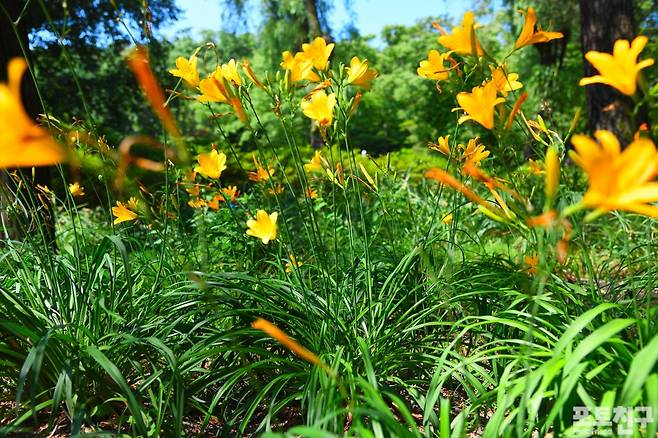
<point x="10" y="47"/>
<point x="313" y="20"/>
<point x="602" y="23"/>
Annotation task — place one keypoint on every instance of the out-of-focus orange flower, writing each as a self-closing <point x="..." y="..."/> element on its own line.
<point x="231" y="193"/>
<point x="531" y="262"/>
<point x="619" y="69"/>
<point x="618" y="180"/>
<point x="463" y="39"/>
<point x="528" y="34"/>
<point x="292" y="345"/>
<point x="479" y="104"/>
<point x="139" y="63"/>
<point x="22" y="142"/>
<point x="433" y="67"/>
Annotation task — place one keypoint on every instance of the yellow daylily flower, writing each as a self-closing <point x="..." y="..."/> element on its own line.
<point x="619" y="69"/>
<point x="293" y="263"/>
<point x="133" y="203"/>
<point x="320" y="107"/>
<point x="316" y="163"/>
<point x="277" y="190"/>
<point x="432" y="67"/>
<point x="618" y="180"/>
<point x="230" y="193"/>
<point x="196" y="203"/>
<point x="479" y="104"/>
<point x="318" y="52"/>
<point x="311" y="193"/>
<point x="263" y="227"/>
<point x="186" y="69"/>
<point x="214" y="88"/>
<point x="123" y="213"/>
<point x="261" y="174"/>
<point x="441" y="145"/>
<point x="76" y="189"/>
<point x="358" y="73"/>
<point x="300" y="68"/>
<point x="463" y="39"/>
<point x="528" y="34"/>
<point x="211" y="164"/>
<point x="230" y="72"/>
<point x="505" y="82"/>
<point x="473" y="152"/>
<point x="22" y="142"/>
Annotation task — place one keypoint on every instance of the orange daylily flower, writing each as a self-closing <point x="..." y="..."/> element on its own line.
<point x="463" y="39"/>
<point x="433" y="67"/>
<point x="441" y="145"/>
<point x="261" y="174"/>
<point x="528" y="34"/>
<point x="320" y="107"/>
<point x="473" y="152"/>
<point x="250" y="73"/>
<point x="263" y="227"/>
<point x="618" y="180"/>
<point x="316" y="162"/>
<point x="122" y="213"/>
<point x="311" y="193"/>
<point x="76" y="189"/>
<point x="358" y="73"/>
<point x="619" y="69"/>
<point x="505" y="82"/>
<point x="479" y="104"/>
<point x="318" y="52"/>
<point x="186" y="69"/>
<point x="22" y="142"/>
<point x="211" y="164"/>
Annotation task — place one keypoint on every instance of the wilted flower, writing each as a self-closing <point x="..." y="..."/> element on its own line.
<point x="479" y="104"/>
<point x="211" y="164"/>
<point x="432" y="67"/>
<point x="463" y="39"/>
<point x="186" y="69"/>
<point x="76" y="189"/>
<point x="22" y="142"/>
<point x="528" y="34"/>
<point x="263" y="227"/>
<point x="619" y="69"/>
<point x="320" y="108"/>
<point x="122" y="213"/>
<point x="618" y="180"/>
<point x="359" y="74"/>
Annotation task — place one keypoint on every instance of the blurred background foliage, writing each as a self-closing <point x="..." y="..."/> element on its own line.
<point x="402" y="111"/>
